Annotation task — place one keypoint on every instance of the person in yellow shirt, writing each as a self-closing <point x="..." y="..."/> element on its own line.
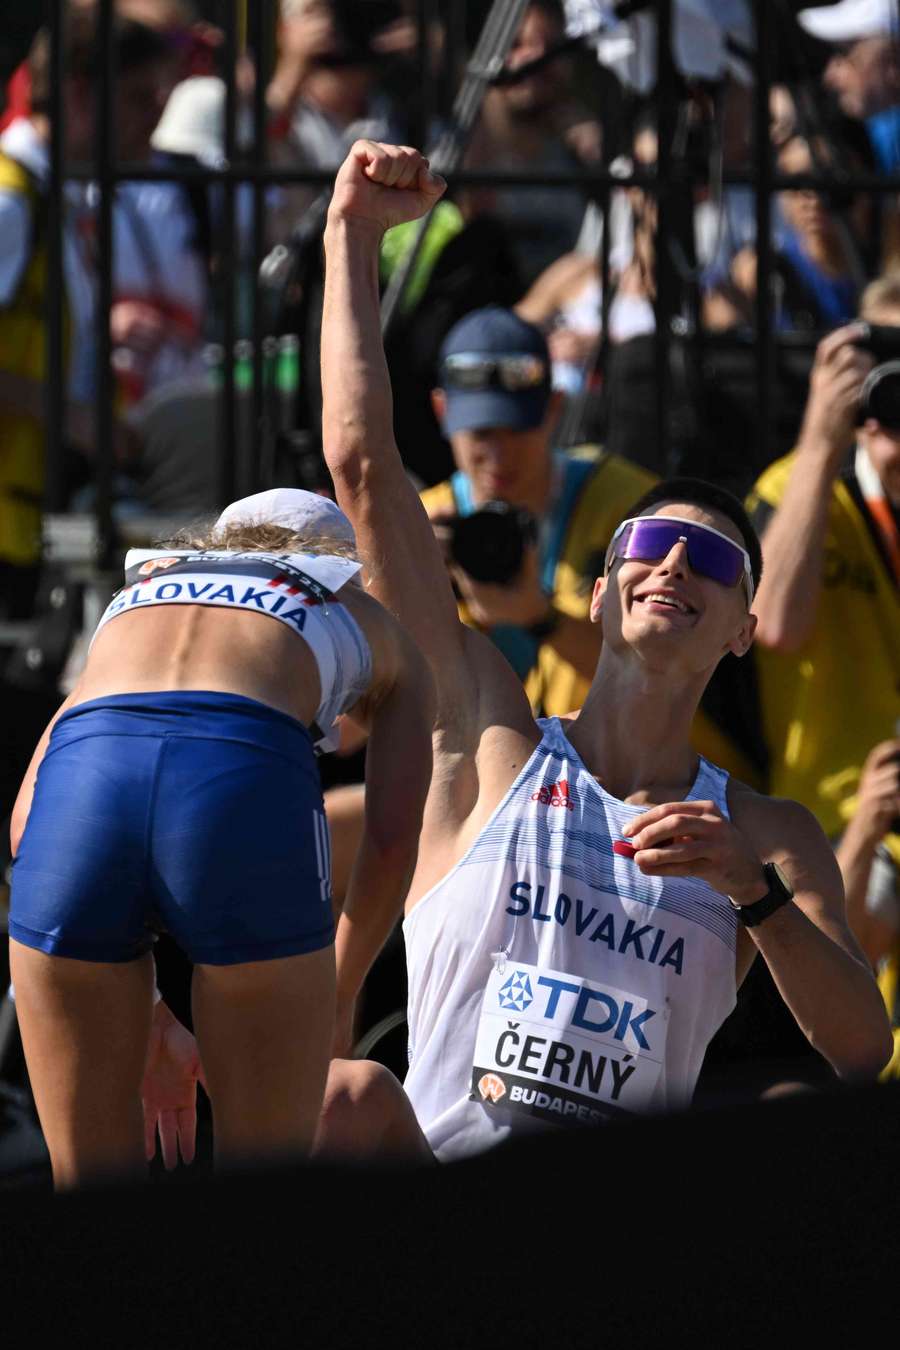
<point x="828" y="642"/>
<point x="498" y="410"/>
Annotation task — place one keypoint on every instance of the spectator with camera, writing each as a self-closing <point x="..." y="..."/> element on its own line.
<point x="828" y="641"/>
<point x="525" y="527"/>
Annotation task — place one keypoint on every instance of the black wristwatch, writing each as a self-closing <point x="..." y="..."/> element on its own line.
<point x="779" y="893"/>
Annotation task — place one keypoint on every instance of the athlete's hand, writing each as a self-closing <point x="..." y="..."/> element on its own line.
<point x="384" y="185"/>
<point x="694" y="839"/>
<point x="169" y="1089"/>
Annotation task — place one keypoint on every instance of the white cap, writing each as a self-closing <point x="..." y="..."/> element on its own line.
<point x="304" y="512"/>
<point x="193" y="120"/>
<point x="851" y="20"/>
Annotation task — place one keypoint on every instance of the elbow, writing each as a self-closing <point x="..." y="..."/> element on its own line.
<point x="868" y="1057"/>
<point x="777" y="634"/>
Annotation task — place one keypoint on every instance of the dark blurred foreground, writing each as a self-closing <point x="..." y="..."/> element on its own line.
<point x="744" y="1227"/>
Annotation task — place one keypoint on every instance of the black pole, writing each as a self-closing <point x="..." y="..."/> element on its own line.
<point x="228" y="263"/>
<point x="254" y="456"/>
<point x="424" y="103"/>
<point x="105" y="388"/>
<point x="55" y="373"/>
<point x="667" y="108"/>
<point x="765" y="346"/>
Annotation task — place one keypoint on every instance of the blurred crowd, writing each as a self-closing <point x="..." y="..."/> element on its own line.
<point x="523" y="357"/>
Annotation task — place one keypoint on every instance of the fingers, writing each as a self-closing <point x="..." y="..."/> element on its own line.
<point x="842" y="337"/>
<point x="187" y="1134"/>
<point x="885" y="753"/>
<point x="149" y="1135"/>
<point x="168" y="1138"/>
<point x="658" y="813"/>
<point x="674" y="858"/>
<point x="397" y="166"/>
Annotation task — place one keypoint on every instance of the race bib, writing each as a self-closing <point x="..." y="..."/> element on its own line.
<point x="565" y="1048"/>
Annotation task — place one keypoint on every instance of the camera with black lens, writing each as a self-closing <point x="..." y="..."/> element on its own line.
<point x="490" y="544"/>
<point x="882" y="340"/>
<point x="880" y="397"/>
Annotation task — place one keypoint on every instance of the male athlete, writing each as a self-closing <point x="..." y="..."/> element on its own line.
<point x="589" y="893"/>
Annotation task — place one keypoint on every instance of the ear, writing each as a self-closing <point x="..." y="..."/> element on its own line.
<point x="742" y="641"/>
<point x="439" y="405"/>
<point x="597" y="598"/>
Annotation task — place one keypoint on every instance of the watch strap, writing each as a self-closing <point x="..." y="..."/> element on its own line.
<point x="776" y="896"/>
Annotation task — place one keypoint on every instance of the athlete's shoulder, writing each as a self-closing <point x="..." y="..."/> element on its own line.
<point x="773" y="822"/>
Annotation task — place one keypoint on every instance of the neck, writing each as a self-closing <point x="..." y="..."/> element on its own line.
<point x="634" y="730"/>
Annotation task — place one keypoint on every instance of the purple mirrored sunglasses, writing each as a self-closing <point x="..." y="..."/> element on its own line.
<point x="710" y="553"/>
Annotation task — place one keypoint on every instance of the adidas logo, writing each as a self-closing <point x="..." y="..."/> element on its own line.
<point x="556" y="794"/>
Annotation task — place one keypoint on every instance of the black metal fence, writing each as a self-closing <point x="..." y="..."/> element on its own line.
<point x="253" y="22"/>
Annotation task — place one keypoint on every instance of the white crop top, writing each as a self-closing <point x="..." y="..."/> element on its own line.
<point x="297" y="588"/>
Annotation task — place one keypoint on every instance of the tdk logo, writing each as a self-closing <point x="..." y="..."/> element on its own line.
<point x="594" y="1010"/>
<point x="516" y="993"/>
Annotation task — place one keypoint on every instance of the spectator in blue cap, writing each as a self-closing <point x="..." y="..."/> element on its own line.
<point x="497" y="409"/>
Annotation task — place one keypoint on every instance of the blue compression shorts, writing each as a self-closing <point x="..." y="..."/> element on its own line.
<point x="198" y="813"/>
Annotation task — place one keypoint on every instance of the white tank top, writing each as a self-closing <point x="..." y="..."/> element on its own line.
<point x="549" y="979"/>
<point x="297" y="588"/>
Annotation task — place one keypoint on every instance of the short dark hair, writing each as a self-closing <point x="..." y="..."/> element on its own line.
<point x="697" y="492"/>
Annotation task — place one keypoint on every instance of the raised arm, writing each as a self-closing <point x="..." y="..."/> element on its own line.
<point x="379" y="186"/>
<point x="793" y="542"/>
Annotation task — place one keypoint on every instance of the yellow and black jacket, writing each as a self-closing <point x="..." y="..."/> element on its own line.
<point x="825" y="706"/>
<point x="23" y="352"/>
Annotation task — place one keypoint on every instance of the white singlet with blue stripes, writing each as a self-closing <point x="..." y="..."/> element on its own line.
<point x="550" y="981"/>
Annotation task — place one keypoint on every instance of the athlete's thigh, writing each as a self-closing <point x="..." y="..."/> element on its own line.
<point x="85" y="1027"/>
<point x="264" y="1029"/>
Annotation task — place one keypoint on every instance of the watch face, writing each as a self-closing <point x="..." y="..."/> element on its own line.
<point x="782" y="878"/>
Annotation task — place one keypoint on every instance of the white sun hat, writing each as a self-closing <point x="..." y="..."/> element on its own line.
<point x="852" y="20"/>
<point x="304" y="512"/>
<point x="193" y="121"/>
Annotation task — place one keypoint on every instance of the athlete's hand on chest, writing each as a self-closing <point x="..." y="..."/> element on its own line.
<point x="694" y="839"/>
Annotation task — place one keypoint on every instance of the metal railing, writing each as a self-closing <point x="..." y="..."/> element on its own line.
<point x="254" y="21"/>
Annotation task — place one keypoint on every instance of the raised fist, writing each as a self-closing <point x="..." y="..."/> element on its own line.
<point x="384" y="185"/>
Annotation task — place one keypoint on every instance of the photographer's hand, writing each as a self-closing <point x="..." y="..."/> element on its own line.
<point x="522" y="602"/>
<point x="835" y="384"/>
